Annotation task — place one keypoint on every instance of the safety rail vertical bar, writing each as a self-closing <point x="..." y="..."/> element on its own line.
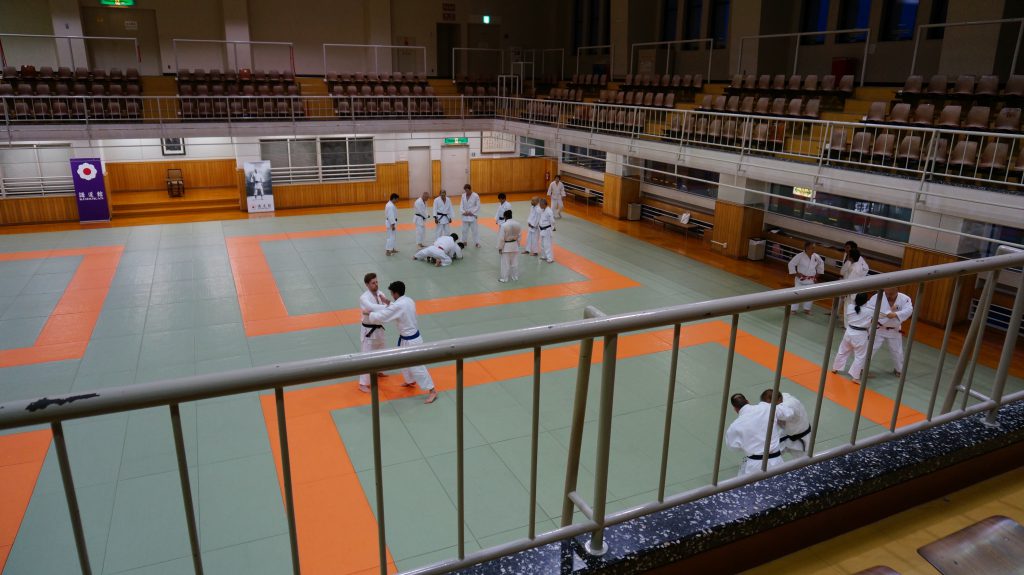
<point x="286" y="474"/>
<point x="1009" y="344"/>
<point x="776" y="381"/>
<point x="823" y="377"/>
<point x="596" y="545"/>
<point x="579" y="413"/>
<point x="534" y="442"/>
<point x="994" y="279"/>
<point x="970" y="339"/>
<point x="725" y="397"/>
<point x="950" y="318"/>
<point x="378" y="473"/>
<point x="865" y="369"/>
<point x="669" y="402"/>
<point x="460" y="458"/>
<point x="69" y="493"/>
<point x="186" y="489"/>
<point x="906" y="357"/>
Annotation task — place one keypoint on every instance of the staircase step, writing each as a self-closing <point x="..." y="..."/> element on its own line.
<point x="181" y="208"/>
<point x="172" y="203"/>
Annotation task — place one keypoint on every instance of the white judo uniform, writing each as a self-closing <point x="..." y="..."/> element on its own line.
<point x="371" y="335"/>
<point x="795" y="426"/>
<point x="402" y="311"/>
<point x="444" y="249"/>
<point x="420" y="213"/>
<point x="746" y="434"/>
<point x="556" y="191"/>
<point x="804" y="268"/>
<point x="499" y="216"/>
<point x="888" y="330"/>
<point x="442" y="216"/>
<point x="390" y="226"/>
<point x="855" y="340"/>
<point x="850" y="271"/>
<point x="508" y="248"/>
<point x="546" y="227"/>
<point x="532" y="235"/>
<point x="469" y="208"/>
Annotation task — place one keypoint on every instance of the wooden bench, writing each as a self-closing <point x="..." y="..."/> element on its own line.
<point x="587" y="195"/>
<point x="992" y="545"/>
<point x="673" y="222"/>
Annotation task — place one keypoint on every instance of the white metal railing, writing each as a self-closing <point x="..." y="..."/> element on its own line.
<point x="668" y="56"/>
<point x="136" y="51"/>
<point x="234" y="62"/>
<point x="54" y="411"/>
<point x="611" y="57"/>
<point x="376" y="58"/>
<point x="1016" y="46"/>
<point x="306" y="174"/>
<point x="499" y="51"/>
<point x="11" y="187"/>
<point x="796" y="52"/>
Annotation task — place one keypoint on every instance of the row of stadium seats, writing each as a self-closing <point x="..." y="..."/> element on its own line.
<point x="694" y="81"/>
<point x="768" y="85"/>
<point x="796" y="107"/>
<point x="889" y="147"/>
<point x="649" y="99"/>
<point x="241" y="77"/>
<point x="58" y="109"/>
<point x="64" y="76"/>
<point x="967" y="87"/>
<point x="951" y="117"/>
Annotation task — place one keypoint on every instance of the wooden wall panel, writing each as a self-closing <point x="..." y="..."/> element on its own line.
<point x="935" y="302"/>
<point x="391" y="178"/>
<point x="491" y="176"/>
<point x="435" y="167"/>
<point x="142" y="176"/>
<point x="619" y="192"/>
<point x="735" y="224"/>
<point x="38" y="210"/>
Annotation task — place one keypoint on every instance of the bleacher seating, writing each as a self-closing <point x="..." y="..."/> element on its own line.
<point x="796" y="107"/>
<point x="829" y="93"/>
<point x="238" y="94"/>
<point x="684" y="87"/>
<point x="28" y="94"/>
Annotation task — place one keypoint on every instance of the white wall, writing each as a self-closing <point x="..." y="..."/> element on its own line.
<point x="149" y="150"/>
<point x="21" y="17"/>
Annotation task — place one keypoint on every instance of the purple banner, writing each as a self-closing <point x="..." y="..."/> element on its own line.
<point x="90" y="191"/>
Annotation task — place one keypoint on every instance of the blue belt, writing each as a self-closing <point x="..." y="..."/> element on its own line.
<point x="407" y="338"/>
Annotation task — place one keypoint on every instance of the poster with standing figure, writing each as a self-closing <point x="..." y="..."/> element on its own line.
<point x="259" y="195"/>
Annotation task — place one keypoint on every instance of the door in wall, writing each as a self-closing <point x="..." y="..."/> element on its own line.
<point x="454" y="169"/>
<point x="124" y="23"/>
<point x="448" y="37"/>
<point x="421" y="176"/>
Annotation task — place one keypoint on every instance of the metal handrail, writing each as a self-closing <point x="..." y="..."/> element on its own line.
<point x="796" y="55"/>
<point x="668" y="57"/>
<point x="501" y="56"/>
<point x="71" y="52"/>
<point x="611" y="57"/>
<point x="171" y="393"/>
<point x="1016" y="46"/>
<point x="375" y="48"/>
<point x="234" y="45"/>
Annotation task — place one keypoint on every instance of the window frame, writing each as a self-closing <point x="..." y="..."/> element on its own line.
<point x="319" y="171"/>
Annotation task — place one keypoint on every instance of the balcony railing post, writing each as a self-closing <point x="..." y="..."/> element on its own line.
<point x="460" y="457"/>
<point x="968" y="353"/>
<point x="950" y="319"/>
<point x="186" y="489"/>
<point x="725" y="397"/>
<point x="862" y="388"/>
<point x="534" y="442"/>
<point x="378" y="473"/>
<point x="669" y="403"/>
<point x="906" y="357"/>
<point x="777" y="380"/>
<point x="596" y="546"/>
<point x="1006" y="356"/>
<point x="579" y="413"/>
<point x="286" y="475"/>
<point x="72" y="498"/>
<point x="823" y="375"/>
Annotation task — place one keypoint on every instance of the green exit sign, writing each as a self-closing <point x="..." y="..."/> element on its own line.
<point x="450" y="141"/>
<point x="117" y="2"/>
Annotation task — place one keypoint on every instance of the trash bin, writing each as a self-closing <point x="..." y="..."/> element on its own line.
<point x="634" y="212"/>
<point x="843" y="67"/>
<point x="755" y="249"/>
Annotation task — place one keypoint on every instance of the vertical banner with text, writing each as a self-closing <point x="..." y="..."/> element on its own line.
<point x="90" y="191"/>
<point x="259" y="195"/>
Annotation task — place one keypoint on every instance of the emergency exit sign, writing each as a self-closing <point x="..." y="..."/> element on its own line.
<point x="117" y="2"/>
<point x="450" y="141"/>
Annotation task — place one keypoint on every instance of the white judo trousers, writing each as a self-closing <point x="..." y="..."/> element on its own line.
<point x="468" y="209"/>
<point x="443" y="217"/>
<point x="420" y="215"/>
<point x="546" y="227"/>
<point x="807" y="304"/>
<point x="854" y="343"/>
<point x="435" y="253"/>
<point x="403" y="312"/>
<point x="893" y="340"/>
<point x="508" y="246"/>
<point x="416" y="373"/>
<point x="531" y="235"/>
<point x="390" y="223"/>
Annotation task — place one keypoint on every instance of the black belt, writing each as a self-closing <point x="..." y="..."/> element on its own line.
<point x="771" y="455"/>
<point x="889" y="328"/>
<point x="510" y="241"/>
<point x="421" y="216"/>
<point x="545" y="227"/>
<point x="439" y="216"/>
<point x="532" y="227"/>
<point x="857" y="328"/>
<point x="372" y="328"/>
<point x="797" y="436"/>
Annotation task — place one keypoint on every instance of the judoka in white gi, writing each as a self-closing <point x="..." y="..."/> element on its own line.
<point x="503" y="206"/>
<point x="420" y="213"/>
<point x="546" y="228"/>
<point x="805" y="267"/>
<point x="402" y="311"/>
<point x="391" y="226"/>
<point x="556" y="191"/>
<point x="795" y="426"/>
<point x="855" y="340"/>
<point x="371" y="335"/>
<point x="747" y="432"/>
<point x="532" y="235"/>
<point x="508" y="248"/>
<point x="442" y="215"/>
<point x="442" y="252"/>
<point x="854" y="267"/>
<point x="469" y="207"/>
<point x="896" y="309"/>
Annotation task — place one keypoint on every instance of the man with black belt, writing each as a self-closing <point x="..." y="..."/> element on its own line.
<point x="533" y="236"/>
<point x="796" y="427"/>
<point x="747" y="433"/>
<point x="371" y="335"/>
<point x="402" y="311"/>
<point x="442" y="214"/>
<point x="420" y="213"/>
<point x="546" y="227"/>
<point x="896" y="309"/>
<point x="508" y="248"/>
<point x="503" y="206"/>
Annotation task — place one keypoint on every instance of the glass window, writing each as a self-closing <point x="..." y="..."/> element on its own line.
<point x="823" y="210"/>
<point x="530" y="147"/>
<point x="669" y="18"/>
<point x="681" y="178"/>
<point x="691" y="22"/>
<point x="938" y="16"/>
<point x="853" y="14"/>
<point x="584" y="157"/>
<point x="975" y="248"/>
<point x="899" y="17"/>
<point x="719" y="24"/>
<point x="320" y="160"/>
<point x="814" y="19"/>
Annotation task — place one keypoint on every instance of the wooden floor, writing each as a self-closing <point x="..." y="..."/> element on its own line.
<point x="156" y="203"/>
<point x="773" y="275"/>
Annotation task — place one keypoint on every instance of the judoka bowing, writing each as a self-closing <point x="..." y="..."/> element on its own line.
<point x="444" y="250"/>
<point x="402" y="311"/>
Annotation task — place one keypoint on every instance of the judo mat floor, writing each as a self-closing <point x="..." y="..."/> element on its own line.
<point x="85" y="309"/>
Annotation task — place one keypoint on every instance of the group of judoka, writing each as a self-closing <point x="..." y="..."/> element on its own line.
<point x="448" y="246"/>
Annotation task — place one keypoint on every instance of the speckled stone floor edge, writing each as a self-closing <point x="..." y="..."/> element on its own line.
<point x="684" y="531"/>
